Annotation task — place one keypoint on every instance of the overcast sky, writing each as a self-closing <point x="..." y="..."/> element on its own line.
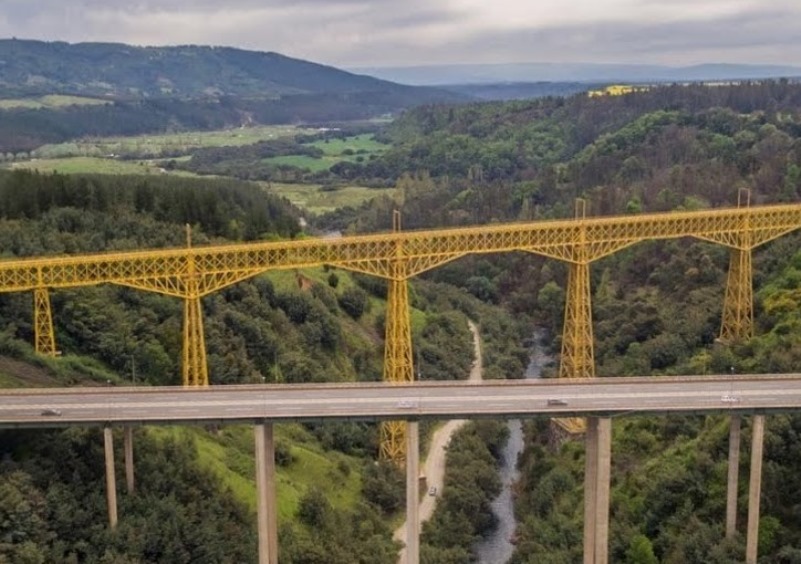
<point x="350" y="33"/>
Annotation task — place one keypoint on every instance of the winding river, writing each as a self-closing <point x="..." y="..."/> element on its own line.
<point x="498" y="547"/>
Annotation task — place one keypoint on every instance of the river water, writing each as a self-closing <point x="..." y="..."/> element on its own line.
<point x="498" y="547"/>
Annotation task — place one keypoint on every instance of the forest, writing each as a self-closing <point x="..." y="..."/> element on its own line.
<point x="321" y="325"/>
<point x="656" y="306"/>
<point x="25" y="129"/>
<point x="656" y="311"/>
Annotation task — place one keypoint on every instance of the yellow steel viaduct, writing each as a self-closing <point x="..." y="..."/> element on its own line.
<point x="193" y="272"/>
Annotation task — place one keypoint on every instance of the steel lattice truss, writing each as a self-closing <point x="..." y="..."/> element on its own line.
<point x="167" y="271"/>
<point x="193" y="272"/>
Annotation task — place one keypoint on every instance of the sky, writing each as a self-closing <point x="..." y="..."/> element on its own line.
<point x="354" y="33"/>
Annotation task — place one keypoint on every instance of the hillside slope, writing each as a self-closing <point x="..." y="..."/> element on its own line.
<point x="118" y="70"/>
<point x="127" y="90"/>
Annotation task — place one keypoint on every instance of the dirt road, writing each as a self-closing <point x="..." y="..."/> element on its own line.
<point x="434" y="465"/>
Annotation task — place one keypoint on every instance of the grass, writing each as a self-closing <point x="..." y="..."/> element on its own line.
<point x="50" y="101"/>
<point x="96" y="165"/>
<point x="303" y="161"/>
<point x="155" y="144"/>
<point x="313" y="198"/>
<point x="7" y="381"/>
<point x="310" y="197"/>
<point x="334" y="151"/>
<point x="364" y="142"/>
<point x="229" y="455"/>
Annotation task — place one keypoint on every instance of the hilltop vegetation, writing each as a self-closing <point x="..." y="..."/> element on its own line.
<point x="195" y="498"/>
<point x="117" y="70"/>
<point x="159" y="89"/>
<point x="656" y="306"/>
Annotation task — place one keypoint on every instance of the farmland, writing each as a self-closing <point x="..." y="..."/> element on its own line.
<point x="50" y="101"/>
<point x="171" y="144"/>
<point x="317" y="200"/>
<point x="92" y="165"/>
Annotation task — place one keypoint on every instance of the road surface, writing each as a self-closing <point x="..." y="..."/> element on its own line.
<point x="419" y="400"/>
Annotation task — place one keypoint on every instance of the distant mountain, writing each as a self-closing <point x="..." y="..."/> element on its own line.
<point x="518" y="90"/>
<point x="155" y="89"/>
<point x="440" y="75"/>
<point x="124" y="71"/>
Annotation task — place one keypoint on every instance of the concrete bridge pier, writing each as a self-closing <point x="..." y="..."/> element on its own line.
<point x="598" y="459"/>
<point x="265" y="493"/>
<point x="111" y="481"/>
<point x="733" y="476"/>
<point x="754" y="488"/>
<point x="412" y="492"/>
<point x="129" y="462"/>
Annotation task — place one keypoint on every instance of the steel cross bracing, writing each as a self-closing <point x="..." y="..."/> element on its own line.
<point x="193" y="272"/>
<point x="166" y="271"/>
<point x="398" y="364"/>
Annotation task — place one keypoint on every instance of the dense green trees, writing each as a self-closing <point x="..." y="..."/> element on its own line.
<point x="220" y="208"/>
<point x="661" y="148"/>
<point x="265" y="329"/>
<point x="463" y="513"/>
<point x="54" y="511"/>
<point x="656" y="306"/>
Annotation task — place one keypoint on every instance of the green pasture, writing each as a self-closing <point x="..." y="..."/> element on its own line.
<point x="364" y="142"/>
<point x="354" y="149"/>
<point x="50" y="101"/>
<point x="315" y="199"/>
<point x="94" y="165"/>
<point x="228" y="453"/>
<point x="303" y="161"/>
<point x="157" y="144"/>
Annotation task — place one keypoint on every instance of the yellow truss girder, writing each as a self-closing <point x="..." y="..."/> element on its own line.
<point x="398" y="358"/>
<point x="578" y="360"/>
<point x="44" y="337"/>
<point x="194" y="368"/>
<point x="219" y="266"/>
<point x="190" y="273"/>
<point x="393" y="434"/>
<point x="738" y="306"/>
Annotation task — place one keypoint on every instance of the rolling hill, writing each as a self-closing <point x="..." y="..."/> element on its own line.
<point x="125" y="71"/>
<point x="158" y="89"/>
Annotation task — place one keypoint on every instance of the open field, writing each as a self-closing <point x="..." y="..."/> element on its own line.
<point x="303" y="161"/>
<point x="364" y="142"/>
<point x="310" y="197"/>
<point x="157" y="144"/>
<point x="93" y="165"/>
<point x="354" y="149"/>
<point x="50" y="101"/>
<point x="229" y="454"/>
<point x="313" y="198"/>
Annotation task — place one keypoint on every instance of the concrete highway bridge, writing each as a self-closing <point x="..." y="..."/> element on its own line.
<point x="191" y="273"/>
<point x="598" y="400"/>
<point x="194" y="272"/>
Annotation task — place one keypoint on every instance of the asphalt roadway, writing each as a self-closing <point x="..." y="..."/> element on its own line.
<point x="377" y="401"/>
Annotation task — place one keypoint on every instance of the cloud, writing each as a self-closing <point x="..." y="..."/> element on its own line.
<point x="744" y="37"/>
<point x="389" y="32"/>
